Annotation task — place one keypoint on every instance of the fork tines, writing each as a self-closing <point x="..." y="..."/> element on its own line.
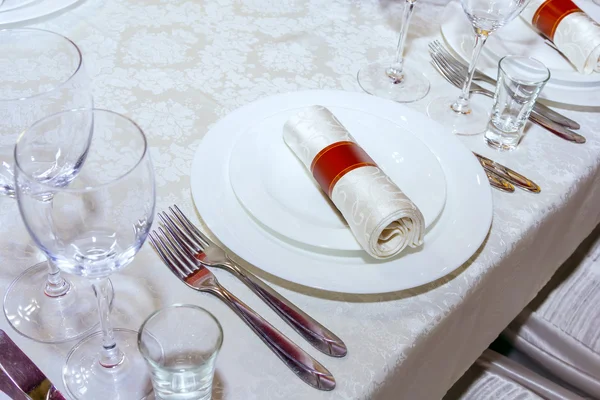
<point x="171" y="254"/>
<point x="190" y="246"/>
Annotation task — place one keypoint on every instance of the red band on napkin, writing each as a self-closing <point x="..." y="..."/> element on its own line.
<point x="549" y="15"/>
<point x="335" y="161"/>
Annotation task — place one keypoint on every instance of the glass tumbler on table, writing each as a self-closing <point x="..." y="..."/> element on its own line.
<point x="395" y="80"/>
<point x="520" y="81"/>
<point x="180" y="344"/>
<point x="41" y="73"/>
<point x="486" y="16"/>
<point x="92" y="225"/>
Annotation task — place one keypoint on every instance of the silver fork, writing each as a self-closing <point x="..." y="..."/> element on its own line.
<point x="459" y="67"/>
<point x="201" y="279"/>
<point x="456" y="78"/>
<point x="209" y="254"/>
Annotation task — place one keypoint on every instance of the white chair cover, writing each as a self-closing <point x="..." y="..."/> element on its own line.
<point x="560" y="329"/>
<point x="496" y="377"/>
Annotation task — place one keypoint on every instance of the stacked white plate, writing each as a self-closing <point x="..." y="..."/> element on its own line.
<point x="260" y="201"/>
<point x="566" y="85"/>
<point x="15" y="11"/>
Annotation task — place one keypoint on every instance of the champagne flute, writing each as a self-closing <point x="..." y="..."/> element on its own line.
<point x="41" y="73"/>
<point x="395" y="81"/>
<point x="92" y="226"/>
<point x="486" y="16"/>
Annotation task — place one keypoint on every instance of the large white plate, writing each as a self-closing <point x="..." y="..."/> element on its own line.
<point x="454" y="238"/>
<point x="274" y="186"/>
<point x="566" y="85"/>
<point x="25" y="10"/>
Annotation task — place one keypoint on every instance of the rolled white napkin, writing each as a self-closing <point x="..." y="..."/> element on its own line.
<point x="382" y="218"/>
<point x="571" y="30"/>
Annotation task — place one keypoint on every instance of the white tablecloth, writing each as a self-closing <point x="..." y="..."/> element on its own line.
<point x="177" y="66"/>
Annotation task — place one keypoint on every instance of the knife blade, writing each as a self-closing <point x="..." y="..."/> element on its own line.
<point x="20" y="378"/>
<point x="508" y="174"/>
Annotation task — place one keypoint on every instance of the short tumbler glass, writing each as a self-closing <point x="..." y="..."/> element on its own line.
<point x="180" y="344"/>
<point x="520" y="81"/>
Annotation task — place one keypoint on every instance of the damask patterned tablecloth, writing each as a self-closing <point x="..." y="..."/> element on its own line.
<point x="177" y="66"/>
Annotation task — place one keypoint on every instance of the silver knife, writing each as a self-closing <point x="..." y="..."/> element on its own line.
<point x="508" y="174"/>
<point x="19" y="376"/>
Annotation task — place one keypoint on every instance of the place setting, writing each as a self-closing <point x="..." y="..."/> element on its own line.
<point x="349" y="193"/>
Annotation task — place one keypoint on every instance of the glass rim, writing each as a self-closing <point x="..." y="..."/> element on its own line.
<point x="59" y="85"/>
<point x="143" y="156"/>
<point x="175" y="306"/>
<point x="521" y="81"/>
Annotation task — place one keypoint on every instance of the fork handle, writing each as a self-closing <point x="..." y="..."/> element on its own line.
<point x="315" y="333"/>
<point x="301" y="363"/>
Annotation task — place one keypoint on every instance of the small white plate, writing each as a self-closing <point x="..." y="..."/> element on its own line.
<point x="274" y="186"/>
<point x="566" y="85"/>
<point x="452" y="240"/>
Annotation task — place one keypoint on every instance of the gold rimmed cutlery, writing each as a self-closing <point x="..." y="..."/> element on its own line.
<point x="498" y="182"/>
<point x="451" y="62"/>
<point x="507" y="174"/>
<point x="198" y="277"/>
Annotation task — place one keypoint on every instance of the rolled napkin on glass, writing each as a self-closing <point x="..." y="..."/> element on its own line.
<point x="571" y="30"/>
<point x="382" y="218"/>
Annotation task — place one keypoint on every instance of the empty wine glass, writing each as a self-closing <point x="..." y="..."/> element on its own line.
<point x="91" y="226"/>
<point x="41" y="73"/>
<point x="395" y="80"/>
<point x="486" y="16"/>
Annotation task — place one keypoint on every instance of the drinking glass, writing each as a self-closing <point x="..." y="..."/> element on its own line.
<point x="91" y="226"/>
<point x="180" y="344"/>
<point x="41" y="73"/>
<point x="395" y="80"/>
<point x="486" y="16"/>
<point x="520" y="81"/>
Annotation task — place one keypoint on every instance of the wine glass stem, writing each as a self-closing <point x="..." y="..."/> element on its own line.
<point x="56" y="285"/>
<point x="395" y="71"/>
<point x="461" y="105"/>
<point x="110" y="356"/>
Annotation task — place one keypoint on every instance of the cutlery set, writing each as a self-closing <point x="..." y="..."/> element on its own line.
<point x="454" y="71"/>
<point x="189" y="254"/>
<point x="499" y="176"/>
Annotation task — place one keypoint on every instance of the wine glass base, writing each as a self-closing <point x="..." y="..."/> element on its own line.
<point x="374" y="80"/>
<point x="46" y="319"/>
<point x="473" y="123"/>
<point x="85" y="378"/>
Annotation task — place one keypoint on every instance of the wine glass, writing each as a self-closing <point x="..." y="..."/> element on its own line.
<point x="395" y="80"/>
<point x="92" y="226"/>
<point x="486" y="16"/>
<point x="41" y="73"/>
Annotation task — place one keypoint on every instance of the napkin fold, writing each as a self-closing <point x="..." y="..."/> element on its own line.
<point x="571" y="30"/>
<point x="381" y="217"/>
